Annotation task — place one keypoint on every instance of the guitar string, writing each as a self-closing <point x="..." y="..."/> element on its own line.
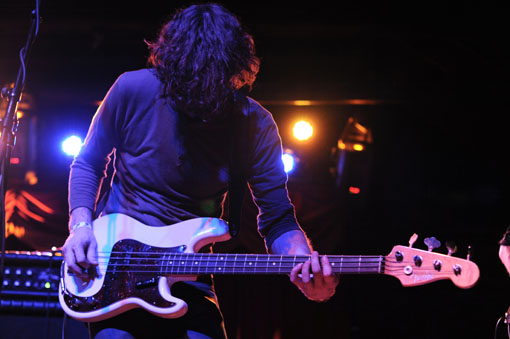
<point x="247" y="255"/>
<point x="359" y="265"/>
<point x="341" y="269"/>
<point x="266" y="260"/>
<point x="230" y="255"/>
<point x="397" y="273"/>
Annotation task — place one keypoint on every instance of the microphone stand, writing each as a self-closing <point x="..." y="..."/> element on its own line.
<point x="9" y="126"/>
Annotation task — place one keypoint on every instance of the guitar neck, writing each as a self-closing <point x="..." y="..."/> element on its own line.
<point x="198" y="263"/>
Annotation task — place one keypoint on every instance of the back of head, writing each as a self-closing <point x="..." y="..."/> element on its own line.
<point x="203" y="56"/>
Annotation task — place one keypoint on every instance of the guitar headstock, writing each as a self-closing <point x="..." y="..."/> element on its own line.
<point x="415" y="267"/>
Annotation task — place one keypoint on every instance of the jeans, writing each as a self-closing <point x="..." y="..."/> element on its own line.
<point x="112" y="333"/>
<point x="203" y="320"/>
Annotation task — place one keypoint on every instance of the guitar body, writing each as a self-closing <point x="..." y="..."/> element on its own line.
<point x="115" y="288"/>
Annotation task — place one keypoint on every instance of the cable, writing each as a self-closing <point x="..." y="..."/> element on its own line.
<point x="496" y="329"/>
<point x="37" y="4"/>
<point x="23" y="69"/>
<point x="22" y="50"/>
<point x="64" y="319"/>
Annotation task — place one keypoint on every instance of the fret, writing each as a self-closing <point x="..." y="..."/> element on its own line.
<point x="250" y="263"/>
<point x="238" y="264"/>
<point x="190" y="260"/>
<point x="207" y="264"/>
<point x="219" y="268"/>
<point x="182" y="263"/>
<point x="273" y="264"/>
<point x="196" y="262"/>
<point x="210" y="264"/>
<point x="178" y="263"/>
<point x="163" y="265"/>
<point x="231" y="264"/>
<point x="175" y="263"/>
<point x="168" y="263"/>
<point x="244" y="263"/>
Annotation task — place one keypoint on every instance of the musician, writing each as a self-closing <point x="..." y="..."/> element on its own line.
<point x="504" y="249"/>
<point x="169" y="130"/>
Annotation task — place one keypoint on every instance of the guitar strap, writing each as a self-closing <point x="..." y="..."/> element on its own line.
<point x="237" y="161"/>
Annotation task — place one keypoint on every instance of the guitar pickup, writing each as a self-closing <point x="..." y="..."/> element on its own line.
<point x="146" y="283"/>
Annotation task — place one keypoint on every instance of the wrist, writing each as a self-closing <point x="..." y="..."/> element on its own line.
<point x="82" y="224"/>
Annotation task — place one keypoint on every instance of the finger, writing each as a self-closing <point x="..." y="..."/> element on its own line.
<point x="326" y="266"/>
<point x="69" y="259"/>
<point x="294" y="278"/>
<point x="329" y="277"/>
<point x="71" y="263"/>
<point x="316" y="266"/>
<point x="81" y="258"/>
<point x="92" y="253"/>
<point x="305" y="272"/>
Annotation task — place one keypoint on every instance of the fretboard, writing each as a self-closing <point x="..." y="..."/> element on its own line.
<point x="206" y="263"/>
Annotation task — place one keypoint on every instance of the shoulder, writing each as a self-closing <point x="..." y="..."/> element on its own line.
<point x="139" y="81"/>
<point x="259" y="115"/>
<point x="144" y="74"/>
<point x="256" y="107"/>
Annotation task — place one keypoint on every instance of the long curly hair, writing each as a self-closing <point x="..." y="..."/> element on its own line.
<point x="203" y="55"/>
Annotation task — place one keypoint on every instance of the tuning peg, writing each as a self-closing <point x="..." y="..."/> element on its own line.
<point x="432" y="243"/>
<point x="452" y="248"/>
<point x="413" y="239"/>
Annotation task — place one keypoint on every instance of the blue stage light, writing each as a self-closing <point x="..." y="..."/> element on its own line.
<point x="288" y="162"/>
<point x="72" y="145"/>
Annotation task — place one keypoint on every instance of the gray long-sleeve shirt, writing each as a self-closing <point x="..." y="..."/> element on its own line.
<point x="168" y="169"/>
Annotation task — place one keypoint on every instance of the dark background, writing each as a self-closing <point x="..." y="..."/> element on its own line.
<point x="433" y="75"/>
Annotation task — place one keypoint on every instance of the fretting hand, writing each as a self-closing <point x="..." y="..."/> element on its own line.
<point x="315" y="278"/>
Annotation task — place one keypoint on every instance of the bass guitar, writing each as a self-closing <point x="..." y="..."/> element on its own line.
<point x="137" y="265"/>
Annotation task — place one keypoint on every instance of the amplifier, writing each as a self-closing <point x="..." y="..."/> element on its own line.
<point x="30" y="281"/>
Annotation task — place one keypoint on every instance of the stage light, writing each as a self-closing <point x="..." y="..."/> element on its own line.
<point x="302" y="102"/>
<point x="72" y="145"/>
<point x="352" y="158"/>
<point x="288" y="162"/>
<point x="31" y="178"/>
<point x="354" y="137"/>
<point x="302" y="130"/>
<point x="358" y="147"/>
<point x="354" y="190"/>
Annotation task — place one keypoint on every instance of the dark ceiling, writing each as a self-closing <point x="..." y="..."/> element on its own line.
<point x="386" y="50"/>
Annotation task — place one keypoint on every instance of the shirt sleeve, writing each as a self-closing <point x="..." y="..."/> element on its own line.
<point x="88" y="168"/>
<point x="267" y="179"/>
